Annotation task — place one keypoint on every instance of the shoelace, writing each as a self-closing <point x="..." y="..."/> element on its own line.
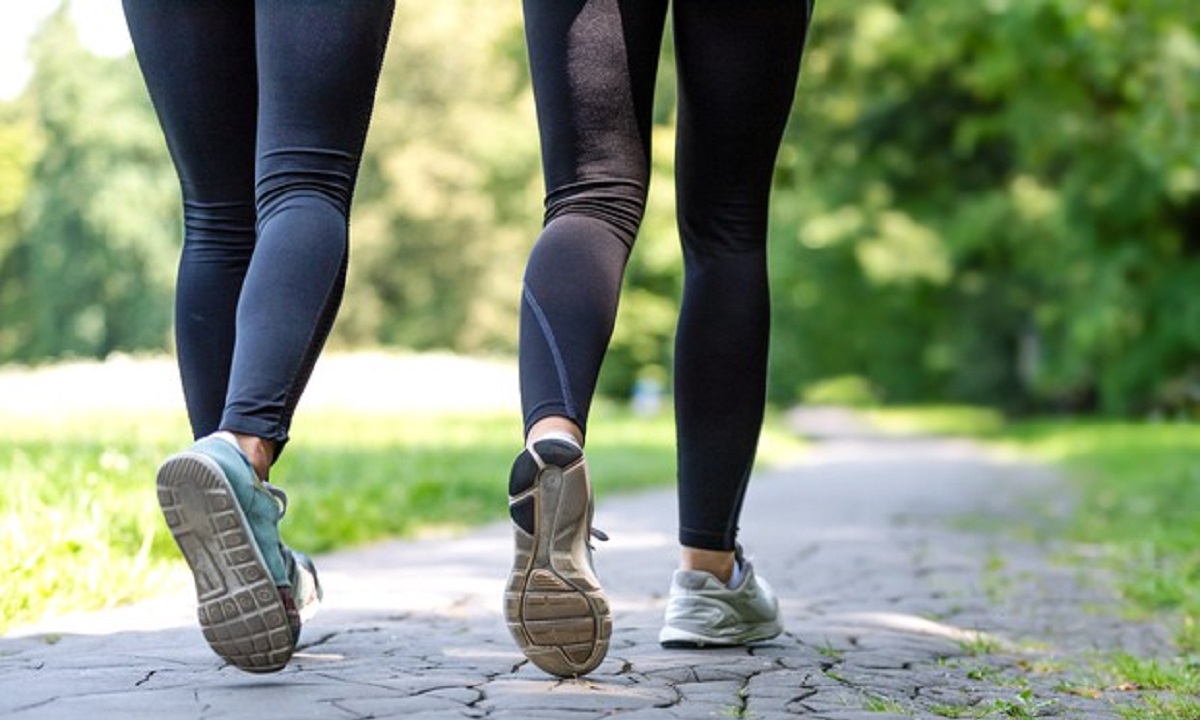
<point x="291" y="566"/>
<point x="598" y="535"/>
<point x="279" y="495"/>
<point x="594" y="532"/>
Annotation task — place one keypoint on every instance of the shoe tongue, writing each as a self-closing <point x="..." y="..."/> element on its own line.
<point x="739" y="573"/>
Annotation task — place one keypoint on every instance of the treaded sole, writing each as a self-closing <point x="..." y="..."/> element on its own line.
<point x="556" y="610"/>
<point x="677" y="639"/>
<point x="241" y="612"/>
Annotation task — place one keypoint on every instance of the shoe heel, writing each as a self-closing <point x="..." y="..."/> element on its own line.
<point x="555" y="608"/>
<point x="241" y="613"/>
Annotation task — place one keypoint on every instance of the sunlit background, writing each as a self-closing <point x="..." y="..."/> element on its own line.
<point x="100" y="25"/>
<point x="991" y="205"/>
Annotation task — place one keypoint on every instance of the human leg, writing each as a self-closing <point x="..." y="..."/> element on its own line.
<point x="318" y="64"/>
<point x="737" y="65"/>
<point x="737" y="68"/>
<point x="202" y="62"/>
<point x="198" y="62"/>
<point x="593" y="65"/>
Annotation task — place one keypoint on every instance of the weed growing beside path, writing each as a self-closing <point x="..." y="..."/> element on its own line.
<point x="1139" y="490"/>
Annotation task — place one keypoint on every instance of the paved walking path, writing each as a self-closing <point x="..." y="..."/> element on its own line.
<point x="893" y="607"/>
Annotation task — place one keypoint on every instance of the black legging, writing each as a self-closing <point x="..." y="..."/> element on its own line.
<point x="594" y="64"/>
<point x="265" y="106"/>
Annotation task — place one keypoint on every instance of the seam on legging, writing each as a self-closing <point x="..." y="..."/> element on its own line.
<point x="560" y="367"/>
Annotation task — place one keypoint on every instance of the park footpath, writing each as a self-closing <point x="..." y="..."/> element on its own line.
<point x="905" y="590"/>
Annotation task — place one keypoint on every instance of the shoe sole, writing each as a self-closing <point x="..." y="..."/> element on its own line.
<point x="555" y="610"/>
<point x="241" y="612"/>
<point x="678" y="639"/>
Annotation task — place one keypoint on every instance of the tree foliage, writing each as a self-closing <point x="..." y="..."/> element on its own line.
<point x="450" y="195"/>
<point x="995" y="202"/>
<point x="88" y="202"/>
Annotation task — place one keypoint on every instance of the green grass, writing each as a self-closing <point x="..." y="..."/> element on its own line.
<point x="1022" y="705"/>
<point x="950" y="420"/>
<point x="80" y="526"/>
<point x="1151" y="674"/>
<point x="1138" y="488"/>
<point x="958" y="711"/>
<point x="980" y="644"/>
<point x="81" y="529"/>
<point x="879" y="704"/>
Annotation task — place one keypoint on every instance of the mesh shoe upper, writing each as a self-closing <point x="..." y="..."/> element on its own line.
<point x="702" y="610"/>
<point x="262" y="507"/>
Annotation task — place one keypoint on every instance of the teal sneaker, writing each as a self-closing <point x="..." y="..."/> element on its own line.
<point x="553" y="603"/>
<point x="252" y="591"/>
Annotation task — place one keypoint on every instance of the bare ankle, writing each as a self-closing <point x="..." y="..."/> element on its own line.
<point x="555" y="424"/>
<point x="718" y="563"/>
<point x="259" y="451"/>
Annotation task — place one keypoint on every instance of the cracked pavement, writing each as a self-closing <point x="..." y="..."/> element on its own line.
<point x="898" y="602"/>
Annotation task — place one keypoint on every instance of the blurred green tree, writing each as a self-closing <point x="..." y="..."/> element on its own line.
<point x="449" y="197"/>
<point x="995" y="202"/>
<point x="88" y="255"/>
<point x="17" y="151"/>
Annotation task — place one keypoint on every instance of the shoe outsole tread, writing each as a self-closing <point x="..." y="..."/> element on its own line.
<point x="553" y="603"/>
<point x="675" y="639"/>
<point x="242" y="613"/>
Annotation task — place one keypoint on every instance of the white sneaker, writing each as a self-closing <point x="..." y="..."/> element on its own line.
<point x="703" y="611"/>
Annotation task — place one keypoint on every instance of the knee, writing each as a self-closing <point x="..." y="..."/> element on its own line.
<point x="219" y="225"/>
<point x="722" y="227"/>
<point x="616" y="204"/>
<point x="288" y="174"/>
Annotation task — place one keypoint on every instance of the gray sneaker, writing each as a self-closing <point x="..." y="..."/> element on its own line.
<point x="554" y="606"/>
<point x="702" y="611"/>
<point x="252" y="591"/>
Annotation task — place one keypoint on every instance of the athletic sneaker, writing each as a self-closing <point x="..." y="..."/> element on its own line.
<point x="252" y="591"/>
<point x="553" y="604"/>
<point x="703" y="611"/>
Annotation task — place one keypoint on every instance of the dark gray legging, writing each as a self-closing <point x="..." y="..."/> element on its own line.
<point x="594" y="64"/>
<point x="265" y="106"/>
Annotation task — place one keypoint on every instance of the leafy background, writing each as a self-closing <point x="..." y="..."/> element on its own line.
<point x="993" y="202"/>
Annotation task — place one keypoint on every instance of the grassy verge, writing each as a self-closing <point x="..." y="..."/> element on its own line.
<point x="1140" y="490"/>
<point x="1139" y="493"/>
<point x="953" y="420"/>
<point x="1138" y="498"/>
<point x="81" y="528"/>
